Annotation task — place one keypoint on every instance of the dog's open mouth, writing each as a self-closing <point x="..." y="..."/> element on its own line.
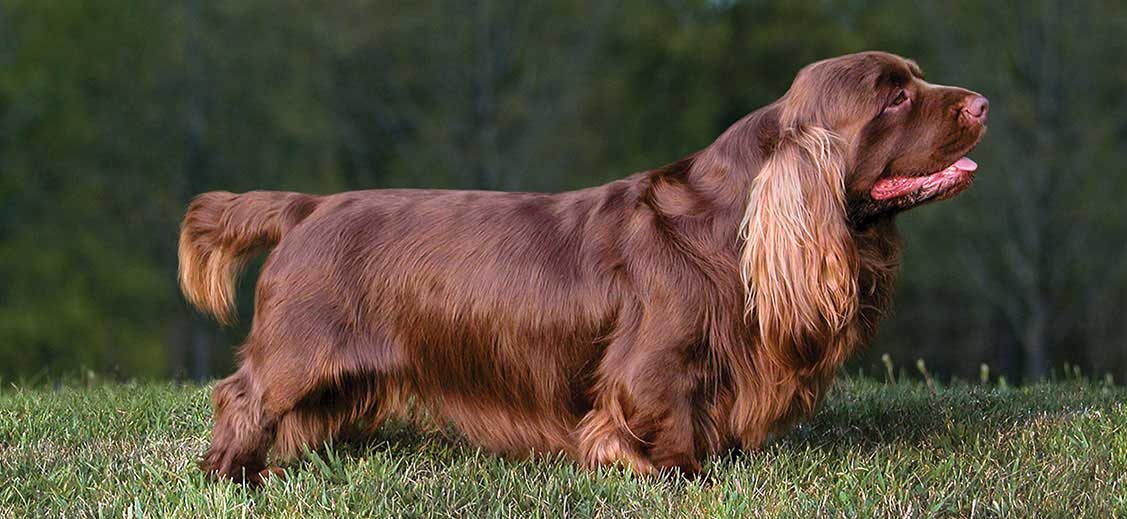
<point x="943" y="184"/>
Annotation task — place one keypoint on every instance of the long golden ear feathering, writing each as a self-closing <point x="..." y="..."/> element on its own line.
<point x="799" y="262"/>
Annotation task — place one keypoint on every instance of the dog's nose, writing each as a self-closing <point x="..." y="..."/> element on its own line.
<point x="976" y="108"/>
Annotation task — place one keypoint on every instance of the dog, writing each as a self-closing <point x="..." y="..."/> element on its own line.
<point x="652" y="321"/>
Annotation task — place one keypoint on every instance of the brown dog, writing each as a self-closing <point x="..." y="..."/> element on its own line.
<point x="650" y="321"/>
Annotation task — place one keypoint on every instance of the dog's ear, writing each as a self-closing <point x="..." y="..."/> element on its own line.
<point x="799" y="262"/>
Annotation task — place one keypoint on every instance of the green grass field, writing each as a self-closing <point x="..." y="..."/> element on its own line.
<point x="872" y="450"/>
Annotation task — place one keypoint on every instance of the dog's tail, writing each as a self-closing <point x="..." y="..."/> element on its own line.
<point x="221" y="231"/>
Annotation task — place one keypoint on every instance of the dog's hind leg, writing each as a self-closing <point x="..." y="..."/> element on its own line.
<point x="242" y="432"/>
<point x="282" y="395"/>
<point x="353" y="408"/>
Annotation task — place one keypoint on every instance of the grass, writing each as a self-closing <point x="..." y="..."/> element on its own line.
<point x="904" y="450"/>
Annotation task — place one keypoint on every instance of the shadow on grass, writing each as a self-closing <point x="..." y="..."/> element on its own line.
<point x="868" y="414"/>
<point x="858" y="414"/>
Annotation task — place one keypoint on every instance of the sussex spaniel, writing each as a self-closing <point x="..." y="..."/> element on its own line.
<point x="651" y="321"/>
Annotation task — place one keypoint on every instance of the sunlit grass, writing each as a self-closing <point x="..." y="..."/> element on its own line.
<point x="874" y="449"/>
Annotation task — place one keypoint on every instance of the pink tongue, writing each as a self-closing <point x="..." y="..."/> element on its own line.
<point x="966" y="164"/>
<point x="898" y="186"/>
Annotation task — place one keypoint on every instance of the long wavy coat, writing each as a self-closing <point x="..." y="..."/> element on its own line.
<point x="651" y="321"/>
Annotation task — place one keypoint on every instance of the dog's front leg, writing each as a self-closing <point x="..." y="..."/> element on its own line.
<point x="646" y="401"/>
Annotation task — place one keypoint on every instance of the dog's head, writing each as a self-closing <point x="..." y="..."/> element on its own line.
<point x="858" y="138"/>
<point x="903" y="141"/>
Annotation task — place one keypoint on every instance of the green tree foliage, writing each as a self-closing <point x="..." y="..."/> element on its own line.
<point x="114" y="113"/>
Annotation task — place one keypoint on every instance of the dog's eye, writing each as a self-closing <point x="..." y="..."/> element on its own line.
<point x="900" y="98"/>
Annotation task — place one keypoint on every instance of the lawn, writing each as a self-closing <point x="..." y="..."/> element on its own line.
<point x="873" y="449"/>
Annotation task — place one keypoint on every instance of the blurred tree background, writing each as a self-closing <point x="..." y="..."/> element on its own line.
<point x="114" y="113"/>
